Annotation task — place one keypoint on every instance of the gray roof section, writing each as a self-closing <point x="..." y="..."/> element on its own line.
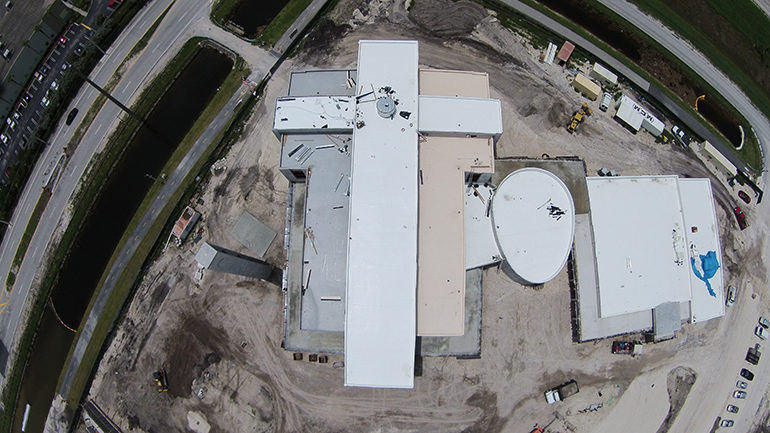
<point x="330" y="82"/>
<point x="223" y="260"/>
<point x="666" y="320"/>
<point x="326" y="241"/>
<point x="253" y="234"/>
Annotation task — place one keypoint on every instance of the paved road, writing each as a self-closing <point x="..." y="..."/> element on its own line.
<point x="296" y="28"/>
<point x="685" y="117"/>
<point x="11" y="316"/>
<point x="698" y="62"/>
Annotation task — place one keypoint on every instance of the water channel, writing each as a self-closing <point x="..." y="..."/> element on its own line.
<point x="253" y="15"/>
<point x="172" y="118"/>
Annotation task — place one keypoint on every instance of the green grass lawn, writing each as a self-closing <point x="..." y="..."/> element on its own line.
<point x="273" y="32"/>
<point x="733" y="34"/>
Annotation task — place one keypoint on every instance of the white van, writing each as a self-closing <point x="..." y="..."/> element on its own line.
<point x="606" y="101"/>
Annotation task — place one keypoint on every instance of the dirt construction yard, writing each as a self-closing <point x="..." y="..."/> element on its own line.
<point x="220" y="339"/>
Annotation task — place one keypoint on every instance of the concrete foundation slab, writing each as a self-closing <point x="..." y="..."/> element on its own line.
<point x="253" y="234"/>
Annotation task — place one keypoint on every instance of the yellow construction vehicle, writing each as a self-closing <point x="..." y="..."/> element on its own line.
<point x="161" y="378"/>
<point x="578" y="117"/>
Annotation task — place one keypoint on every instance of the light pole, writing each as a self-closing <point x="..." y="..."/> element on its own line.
<point x="6" y="223"/>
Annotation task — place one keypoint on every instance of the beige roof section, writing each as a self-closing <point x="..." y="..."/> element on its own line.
<point x="441" y="246"/>
<point x="465" y="84"/>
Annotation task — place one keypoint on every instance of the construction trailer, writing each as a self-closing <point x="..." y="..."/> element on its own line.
<point x="604" y="75"/>
<point x="587" y="87"/>
<point x="637" y="117"/>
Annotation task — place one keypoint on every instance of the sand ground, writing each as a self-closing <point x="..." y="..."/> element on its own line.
<point x="220" y="339"/>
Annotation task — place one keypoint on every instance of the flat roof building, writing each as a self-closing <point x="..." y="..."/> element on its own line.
<point x="642" y="251"/>
<point x="370" y="201"/>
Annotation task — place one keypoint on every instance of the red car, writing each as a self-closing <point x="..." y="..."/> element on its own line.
<point x="745" y="197"/>
<point x="741" y="217"/>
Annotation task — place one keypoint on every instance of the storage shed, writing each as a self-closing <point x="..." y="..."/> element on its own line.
<point x="566" y="51"/>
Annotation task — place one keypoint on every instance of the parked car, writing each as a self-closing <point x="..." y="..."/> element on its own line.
<point x="745" y="197"/>
<point x="45" y="101"/>
<point x="680" y="136"/>
<point x="732" y="408"/>
<point x="739" y="394"/>
<point x="4" y="138"/>
<point x="71" y="116"/>
<point x="741" y="217"/>
<point x="63" y="40"/>
<point x="727" y="423"/>
<point x="741" y="384"/>
<point x="44" y="69"/>
<point x="764" y="322"/>
<point x="731" y="292"/>
<point x="16" y="115"/>
<point x="79" y="49"/>
<point x="747" y="374"/>
<point x="11" y="123"/>
<point x="761" y="332"/>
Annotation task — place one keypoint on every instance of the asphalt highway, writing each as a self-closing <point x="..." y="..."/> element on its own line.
<point x="698" y="63"/>
<point x="13" y="314"/>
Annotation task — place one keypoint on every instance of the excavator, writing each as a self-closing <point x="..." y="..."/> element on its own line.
<point x="578" y="117"/>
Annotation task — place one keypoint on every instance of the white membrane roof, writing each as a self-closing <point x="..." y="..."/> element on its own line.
<point x="464" y="116"/>
<point x="380" y="320"/>
<point x="534" y="221"/>
<point x="481" y="247"/>
<point x="702" y="231"/>
<point x="639" y="237"/>
<point x="314" y="113"/>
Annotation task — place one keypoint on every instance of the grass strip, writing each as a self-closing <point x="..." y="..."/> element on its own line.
<point x="26" y="238"/>
<point x="736" y="42"/>
<point x="222" y="10"/>
<point x="750" y="154"/>
<point x="141" y="44"/>
<point x="132" y="271"/>
<point x="278" y="26"/>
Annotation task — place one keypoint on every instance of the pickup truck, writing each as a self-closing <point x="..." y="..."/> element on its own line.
<point x="561" y="392"/>
<point x="625" y="348"/>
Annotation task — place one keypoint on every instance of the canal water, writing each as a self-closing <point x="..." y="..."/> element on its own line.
<point x="122" y="193"/>
<point x="253" y="15"/>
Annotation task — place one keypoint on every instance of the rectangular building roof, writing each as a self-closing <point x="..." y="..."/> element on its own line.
<point x="441" y="280"/>
<point x="463" y="84"/>
<point x="601" y="73"/>
<point x="332" y="114"/>
<point x="702" y="231"/>
<point x="637" y="116"/>
<point x="460" y="116"/>
<point x="380" y="320"/>
<point x="565" y="51"/>
<point x="641" y="251"/>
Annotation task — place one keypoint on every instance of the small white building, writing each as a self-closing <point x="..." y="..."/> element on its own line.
<point x="637" y="117"/>
<point x="603" y="74"/>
